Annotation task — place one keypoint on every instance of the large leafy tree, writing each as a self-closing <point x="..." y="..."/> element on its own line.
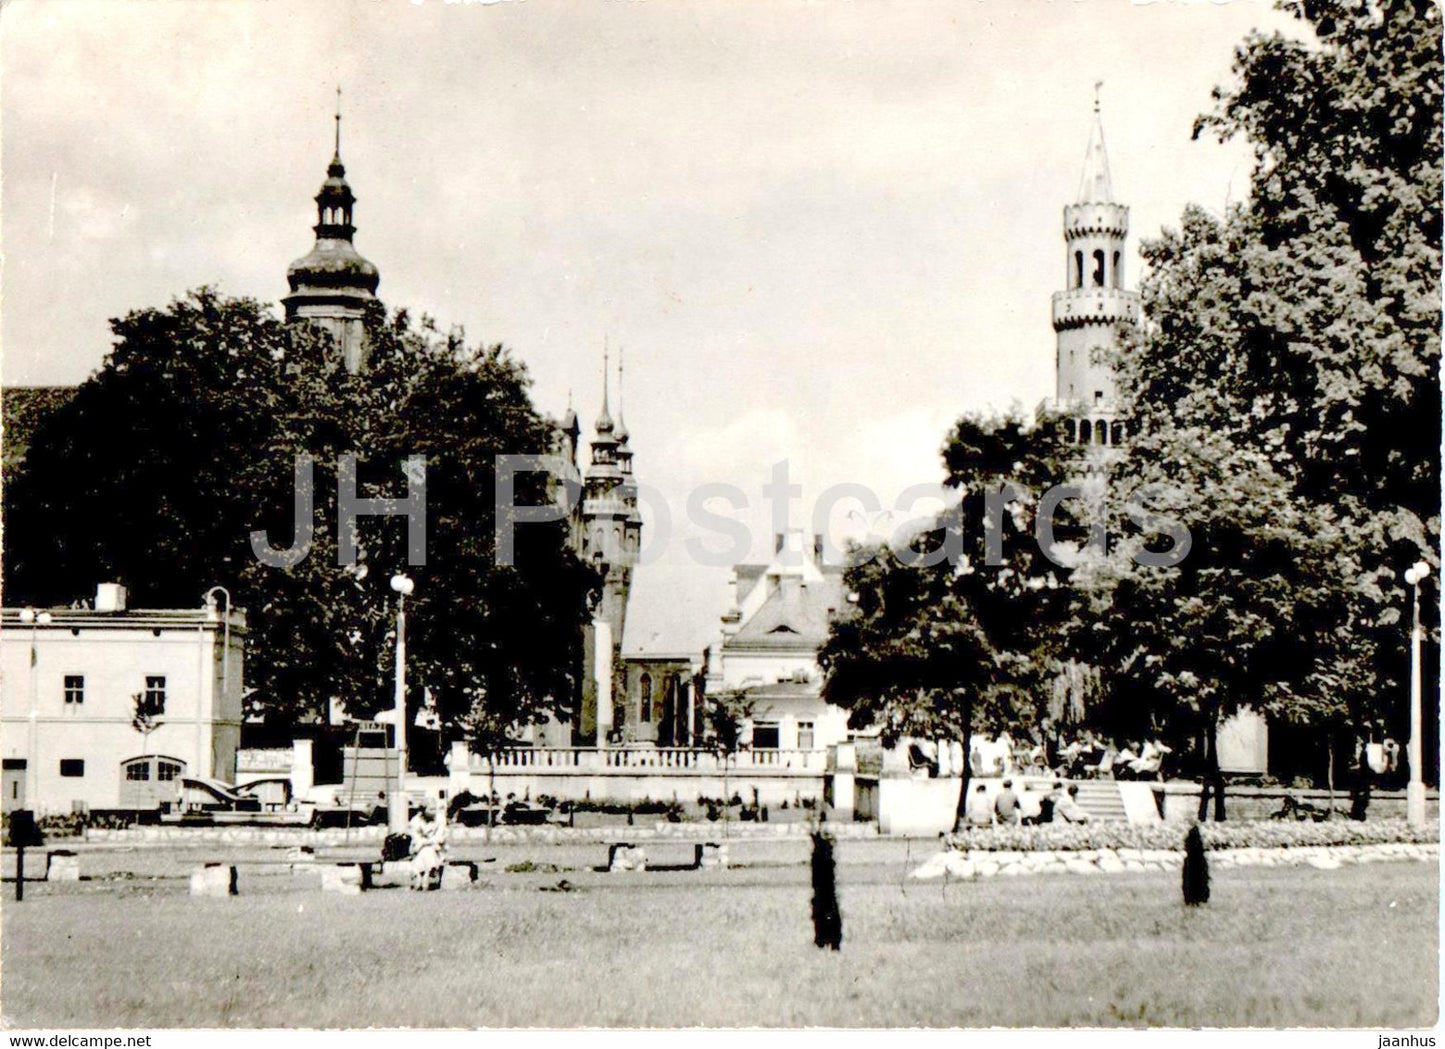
<point x="953" y="630"/>
<point x="1285" y="386"/>
<point x="185" y="442"/>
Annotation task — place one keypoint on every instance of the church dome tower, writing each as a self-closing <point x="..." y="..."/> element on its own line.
<point x="332" y="285"/>
<point x="1087" y="315"/>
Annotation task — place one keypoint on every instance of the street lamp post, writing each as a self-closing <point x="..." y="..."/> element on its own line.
<point x="32" y="758"/>
<point x="397" y="813"/>
<point x="1415" y="790"/>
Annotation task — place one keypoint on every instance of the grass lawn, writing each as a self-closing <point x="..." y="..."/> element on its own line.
<point x="1275" y="947"/>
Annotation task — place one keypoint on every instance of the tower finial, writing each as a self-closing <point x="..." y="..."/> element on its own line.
<point x="338" y="121"/>
<point x="1097" y="85"/>
<point x="621" y="423"/>
<point x="604" y="417"/>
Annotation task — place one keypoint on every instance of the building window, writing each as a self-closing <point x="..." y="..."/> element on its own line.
<point x="1101" y="435"/>
<point x="1117" y="435"/>
<point x="1078" y="269"/>
<point x="765" y="735"/>
<point x="156" y="692"/>
<point x="140" y="770"/>
<point x="644" y="710"/>
<point x="74" y="688"/>
<point x="167" y="771"/>
<point x="72" y="767"/>
<point x="1098" y="396"/>
<point x="1099" y="269"/>
<point x="1070" y="429"/>
<point x="805" y="735"/>
<point x="1117" y="283"/>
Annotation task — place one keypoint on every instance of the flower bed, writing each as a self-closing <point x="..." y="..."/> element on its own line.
<point x="1076" y="837"/>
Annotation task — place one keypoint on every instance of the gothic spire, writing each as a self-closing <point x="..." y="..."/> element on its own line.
<point x="604" y="418"/>
<point x="621" y="425"/>
<point x="1096" y="187"/>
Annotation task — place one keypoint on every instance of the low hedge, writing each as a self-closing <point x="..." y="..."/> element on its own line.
<point x="1077" y="837"/>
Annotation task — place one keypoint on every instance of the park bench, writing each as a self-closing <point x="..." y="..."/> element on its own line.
<point x="629" y="855"/>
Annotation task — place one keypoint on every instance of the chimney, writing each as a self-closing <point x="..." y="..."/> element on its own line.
<point x="109" y="597"/>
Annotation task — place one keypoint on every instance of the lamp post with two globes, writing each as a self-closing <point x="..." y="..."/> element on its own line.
<point x="397" y="812"/>
<point x="1415" y="789"/>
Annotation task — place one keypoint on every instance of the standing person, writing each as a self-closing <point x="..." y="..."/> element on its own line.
<point x="1006" y="806"/>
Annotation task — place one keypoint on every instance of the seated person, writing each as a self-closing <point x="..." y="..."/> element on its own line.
<point x="1151" y="760"/>
<point x="1029" y="804"/>
<point x="1006" y="806"/>
<point x="980" y="812"/>
<point x="1050" y="802"/>
<point x="1068" y="809"/>
<point x="1124" y="763"/>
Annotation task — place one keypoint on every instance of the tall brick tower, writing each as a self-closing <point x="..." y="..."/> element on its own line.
<point x="1089" y="313"/>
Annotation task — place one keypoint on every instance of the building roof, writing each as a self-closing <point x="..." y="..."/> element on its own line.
<point x="1096" y="187"/>
<point x="145" y="618"/>
<point x="795" y="615"/>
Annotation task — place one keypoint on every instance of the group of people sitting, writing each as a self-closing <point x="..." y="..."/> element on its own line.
<point x="1086" y="756"/>
<point x="1025" y="808"/>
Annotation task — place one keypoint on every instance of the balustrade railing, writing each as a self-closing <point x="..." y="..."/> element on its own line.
<point x="683" y="758"/>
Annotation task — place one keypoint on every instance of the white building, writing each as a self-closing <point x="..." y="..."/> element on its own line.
<point x="769" y="647"/>
<point x="69" y="679"/>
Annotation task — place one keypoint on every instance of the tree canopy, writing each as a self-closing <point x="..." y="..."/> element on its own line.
<point x="165" y="461"/>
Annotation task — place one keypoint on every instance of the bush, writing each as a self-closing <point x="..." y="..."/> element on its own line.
<point x="1076" y="837"/>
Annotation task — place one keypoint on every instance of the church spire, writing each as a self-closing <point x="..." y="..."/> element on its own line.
<point x="1096" y="187"/>
<point x="336" y="153"/>
<point x="621" y="425"/>
<point x="604" y="417"/>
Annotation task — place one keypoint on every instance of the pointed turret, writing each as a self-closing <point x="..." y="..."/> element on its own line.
<point x="1096" y="187"/>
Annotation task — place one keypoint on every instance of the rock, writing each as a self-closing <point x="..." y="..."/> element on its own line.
<point x="62" y="865"/>
<point x="1080" y="867"/>
<point x="1134" y="865"/>
<point x="347" y="879"/>
<point x="1053" y="867"/>
<point x="458" y="875"/>
<point x="628" y="858"/>
<point x="1131" y="854"/>
<point x="213" y="879"/>
<point x="1323" y="863"/>
<point x="1111" y="864"/>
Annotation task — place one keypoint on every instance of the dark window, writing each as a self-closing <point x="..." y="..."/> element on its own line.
<point x="645" y="706"/>
<point x="1117" y="435"/>
<point x="1101" y="434"/>
<point x="72" y="767"/>
<point x="1071" y="429"/>
<point x="1115" y="272"/>
<point x="1078" y="269"/>
<point x="1099" y="269"/>
<point x="765" y="735"/>
<point x="167" y="770"/>
<point x="74" y="688"/>
<point x="156" y="692"/>
<point x="140" y="770"/>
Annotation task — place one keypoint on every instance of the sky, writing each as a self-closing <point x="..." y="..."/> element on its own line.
<point x="820" y="231"/>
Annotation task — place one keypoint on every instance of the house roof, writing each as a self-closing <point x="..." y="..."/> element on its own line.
<point x="795" y="615"/>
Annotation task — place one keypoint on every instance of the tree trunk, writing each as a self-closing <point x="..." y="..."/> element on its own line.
<point x="1213" y="775"/>
<point x="960" y="815"/>
<point x="1330" y="769"/>
<point x="491" y="794"/>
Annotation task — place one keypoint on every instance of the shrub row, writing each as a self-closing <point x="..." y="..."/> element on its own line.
<point x="1245" y="834"/>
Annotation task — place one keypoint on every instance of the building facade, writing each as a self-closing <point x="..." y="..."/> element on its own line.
<point x="69" y="682"/>
<point x="767" y="652"/>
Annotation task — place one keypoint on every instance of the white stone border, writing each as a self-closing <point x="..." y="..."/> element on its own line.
<point x="978" y="863"/>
